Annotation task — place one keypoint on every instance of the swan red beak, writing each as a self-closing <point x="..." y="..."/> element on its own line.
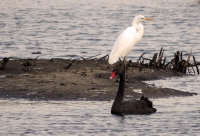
<point x="113" y="75"/>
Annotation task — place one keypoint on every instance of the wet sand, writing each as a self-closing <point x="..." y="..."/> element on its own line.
<point x="64" y="79"/>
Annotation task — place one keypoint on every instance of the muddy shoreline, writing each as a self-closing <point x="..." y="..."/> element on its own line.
<point x="65" y="79"/>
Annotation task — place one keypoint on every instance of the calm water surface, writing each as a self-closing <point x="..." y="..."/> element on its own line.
<point x="73" y="28"/>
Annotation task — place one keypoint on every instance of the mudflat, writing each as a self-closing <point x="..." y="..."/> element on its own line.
<point x="66" y="79"/>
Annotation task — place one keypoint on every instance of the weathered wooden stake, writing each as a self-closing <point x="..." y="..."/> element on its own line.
<point x="3" y="64"/>
<point x="154" y="59"/>
<point x="196" y="65"/>
<point x="187" y="62"/>
<point x="160" y="51"/>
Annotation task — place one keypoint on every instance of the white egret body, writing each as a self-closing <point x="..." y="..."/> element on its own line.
<point x="127" y="39"/>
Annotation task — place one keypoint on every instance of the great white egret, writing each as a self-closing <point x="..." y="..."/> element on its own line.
<point x="127" y="39"/>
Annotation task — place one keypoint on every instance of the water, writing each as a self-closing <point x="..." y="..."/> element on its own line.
<point x="175" y="116"/>
<point x="73" y="28"/>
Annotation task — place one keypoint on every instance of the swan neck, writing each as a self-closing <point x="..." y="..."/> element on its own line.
<point x="117" y="104"/>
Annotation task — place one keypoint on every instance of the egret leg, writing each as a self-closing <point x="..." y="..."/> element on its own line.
<point x="124" y="67"/>
<point x="125" y="61"/>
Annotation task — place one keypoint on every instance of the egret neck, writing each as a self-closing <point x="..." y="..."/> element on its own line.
<point x="140" y="29"/>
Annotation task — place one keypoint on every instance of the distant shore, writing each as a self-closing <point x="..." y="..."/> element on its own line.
<point x="62" y="79"/>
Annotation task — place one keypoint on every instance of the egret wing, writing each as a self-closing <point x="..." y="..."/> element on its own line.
<point x="123" y="45"/>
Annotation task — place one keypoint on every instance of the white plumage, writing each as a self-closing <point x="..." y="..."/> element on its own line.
<point x="127" y="39"/>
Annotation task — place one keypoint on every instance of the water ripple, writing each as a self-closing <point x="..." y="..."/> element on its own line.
<point x="48" y="25"/>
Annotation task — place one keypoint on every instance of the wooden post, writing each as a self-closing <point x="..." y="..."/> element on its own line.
<point x="186" y="63"/>
<point x="154" y="59"/>
<point x="160" y="60"/>
<point x="160" y="51"/>
<point x="196" y="65"/>
<point x="177" y="58"/>
<point x="3" y="64"/>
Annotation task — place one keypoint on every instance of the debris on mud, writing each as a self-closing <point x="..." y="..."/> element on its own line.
<point x="88" y="78"/>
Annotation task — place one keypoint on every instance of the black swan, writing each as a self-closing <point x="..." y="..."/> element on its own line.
<point x="120" y="107"/>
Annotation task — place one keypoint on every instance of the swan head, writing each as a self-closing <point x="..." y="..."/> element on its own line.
<point x="115" y="72"/>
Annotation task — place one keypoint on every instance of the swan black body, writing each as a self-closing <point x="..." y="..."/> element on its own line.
<point x="120" y="107"/>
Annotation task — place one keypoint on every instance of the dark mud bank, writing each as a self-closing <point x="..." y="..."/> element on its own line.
<point x="63" y="79"/>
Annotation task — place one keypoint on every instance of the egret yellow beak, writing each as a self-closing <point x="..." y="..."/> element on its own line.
<point x="148" y="19"/>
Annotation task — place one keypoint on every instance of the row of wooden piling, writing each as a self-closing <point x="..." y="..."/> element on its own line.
<point x="177" y="64"/>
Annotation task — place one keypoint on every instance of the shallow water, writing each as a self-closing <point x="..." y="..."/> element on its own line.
<point x="74" y="28"/>
<point x="175" y="116"/>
